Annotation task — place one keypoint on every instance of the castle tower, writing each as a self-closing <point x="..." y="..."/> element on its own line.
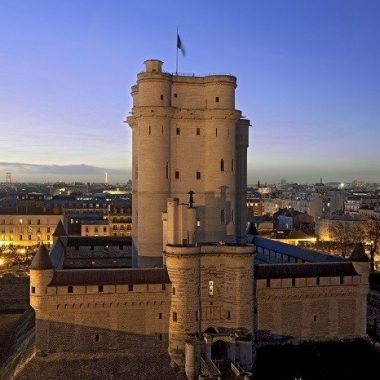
<point x="41" y="274"/>
<point x="186" y="135"/>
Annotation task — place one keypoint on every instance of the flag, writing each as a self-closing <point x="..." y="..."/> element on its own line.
<point x="180" y="45"/>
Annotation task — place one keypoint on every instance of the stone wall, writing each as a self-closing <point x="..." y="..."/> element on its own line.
<point x="14" y="293"/>
<point x="310" y="311"/>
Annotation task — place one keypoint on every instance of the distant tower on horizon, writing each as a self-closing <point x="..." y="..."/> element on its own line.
<point x="106" y="178"/>
<point x="8" y="177"/>
<point x="186" y="135"/>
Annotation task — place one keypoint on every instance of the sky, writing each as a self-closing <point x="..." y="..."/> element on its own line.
<point x="308" y="79"/>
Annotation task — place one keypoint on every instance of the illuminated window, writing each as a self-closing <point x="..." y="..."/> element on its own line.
<point x="198" y="223"/>
<point x="211" y="288"/>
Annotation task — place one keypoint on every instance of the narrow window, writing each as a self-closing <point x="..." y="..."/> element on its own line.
<point x="162" y="130"/>
<point x="318" y="280"/>
<point x="159" y="315"/>
<point x="222" y="165"/>
<point x="198" y="175"/>
<point x="211" y="288"/>
<point x="130" y="288"/>
<point x="198" y="131"/>
<point x="150" y="130"/>
<point x="33" y="289"/>
<point x="216" y="99"/>
<point x="174" y="316"/>
<point x="198" y="223"/>
<point x="228" y="315"/>
<point x="178" y="131"/>
<point x="160" y="336"/>
<point x="70" y="289"/>
<point x="315" y="318"/>
<point x="162" y="97"/>
<point x="268" y="283"/>
<point x="232" y="166"/>
<point x="176" y="95"/>
<point x="293" y="282"/>
<point x="341" y="280"/>
<point x="216" y="131"/>
<point x="167" y="170"/>
<point x="232" y="216"/>
<point x="100" y="288"/>
<point x="176" y="174"/>
<point x="222" y="216"/>
<point x="163" y="286"/>
<point x="97" y="338"/>
<point x="173" y="291"/>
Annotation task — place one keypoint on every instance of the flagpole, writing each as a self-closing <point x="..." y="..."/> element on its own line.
<point x="176" y="58"/>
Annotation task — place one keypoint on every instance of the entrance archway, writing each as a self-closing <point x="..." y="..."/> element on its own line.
<point x="219" y="350"/>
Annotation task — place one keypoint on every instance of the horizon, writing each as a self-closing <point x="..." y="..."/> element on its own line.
<point x="307" y="79"/>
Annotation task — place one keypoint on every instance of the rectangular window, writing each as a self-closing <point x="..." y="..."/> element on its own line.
<point x="174" y="316"/>
<point x="198" y="175"/>
<point x="176" y="95"/>
<point x="70" y="289"/>
<point x="178" y="131"/>
<point x="198" y="131"/>
<point x="130" y="288"/>
<point x="228" y="315"/>
<point x="293" y="282"/>
<point x="100" y="288"/>
<point x="341" y="280"/>
<point x="176" y="174"/>
<point x="159" y="315"/>
<point x="162" y="97"/>
<point x="216" y="99"/>
<point x="232" y="165"/>
<point x="33" y="290"/>
<point x="163" y="286"/>
<point x="216" y="131"/>
<point x="173" y="291"/>
<point x="30" y="237"/>
<point x="268" y="283"/>
<point x="211" y="288"/>
<point x="318" y="281"/>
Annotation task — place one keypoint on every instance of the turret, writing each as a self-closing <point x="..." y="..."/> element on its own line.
<point x="360" y="261"/>
<point x="59" y="232"/>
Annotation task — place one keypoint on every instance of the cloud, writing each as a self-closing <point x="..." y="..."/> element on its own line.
<point x="44" y="172"/>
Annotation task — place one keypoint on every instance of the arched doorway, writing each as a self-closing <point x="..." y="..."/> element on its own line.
<point x="219" y="350"/>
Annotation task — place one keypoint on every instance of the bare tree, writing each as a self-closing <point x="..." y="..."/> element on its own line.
<point x="346" y="234"/>
<point x="373" y="239"/>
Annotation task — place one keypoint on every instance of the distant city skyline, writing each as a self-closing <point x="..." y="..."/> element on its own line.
<point x="307" y="78"/>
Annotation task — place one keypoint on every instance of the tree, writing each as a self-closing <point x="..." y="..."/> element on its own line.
<point x="373" y="239"/>
<point x="345" y="234"/>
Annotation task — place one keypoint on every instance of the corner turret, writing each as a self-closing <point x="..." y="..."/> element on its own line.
<point x="360" y="261"/>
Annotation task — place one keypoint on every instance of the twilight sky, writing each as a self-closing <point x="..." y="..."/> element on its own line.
<point x="308" y="78"/>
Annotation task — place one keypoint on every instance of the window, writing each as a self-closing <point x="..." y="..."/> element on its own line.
<point x="33" y="290"/>
<point x="38" y="221"/>
<point x="48" y="229"/>
<point x="159" y="315"/>
<point x="174" y="316"/>
<point x="315" y="318"/>
<point x="130" y="288"/>
<point x="96" y="338"/>
<point x="92" y="248"/>
<point x="104" y="229"/>
<point x="222" y="216"/>
<point x="163" y="286"/>
<point x="176" y="174"/>
<point x="70" y="289"/>
<point x="198" y="175"/>
<point x="86" y="229"/>
<point x="216" y="131"/>
<point x="178" y="131"/>
<point x="293" y="282"/>
<point x="232" y="165"/>
<point x="341" y="280"/>
<point x="30" y="237"/>
<point x="162" y="97"/>
<point x="160" y="336"/>
<point x="20" y="237"/>
<point x="222" y="165"/>
<point x="173" y="291"/>
<point x="198" y="223"/>
<point x="318" y="281"/>
<point x="150" y="130"/>
<point x="198" y="131"/>
<point x="211" y="288"/>
<point x="100" y="288"/>
<point x="176" y="95"/>
<point x="167" y="170"/>
<point x="120" y="246"/>
<point x="216" y="99"/>
<point x="268" y="283"/>
<point x="228" y="315"/>
<point x="162" y="130"/>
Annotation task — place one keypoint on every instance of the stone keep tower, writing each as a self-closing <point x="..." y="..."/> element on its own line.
<point x="186" y="135"/>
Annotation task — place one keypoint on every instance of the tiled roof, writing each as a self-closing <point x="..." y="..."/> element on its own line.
<point x="73" y="241"/>
<point x="110" y="276"/>
<point x="304" y="270"/>
<point x="41" y="260"/>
